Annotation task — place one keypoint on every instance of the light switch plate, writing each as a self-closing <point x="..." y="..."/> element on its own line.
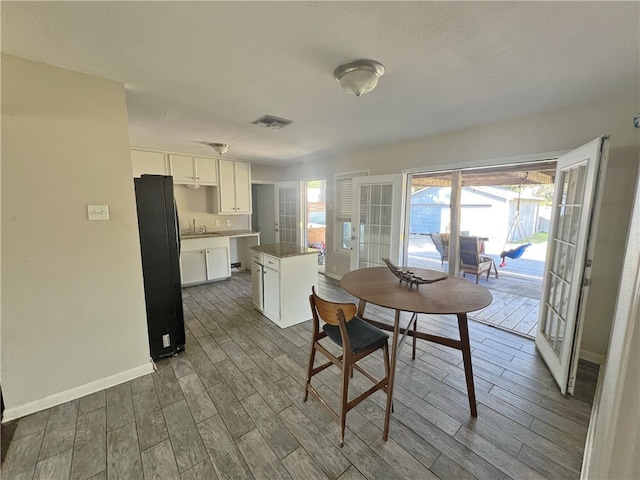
<point x="98" y="212"/>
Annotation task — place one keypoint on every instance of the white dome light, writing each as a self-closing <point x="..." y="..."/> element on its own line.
<point x="359" y="76"/>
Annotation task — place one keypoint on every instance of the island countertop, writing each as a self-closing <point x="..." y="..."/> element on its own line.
<point x="283" y="250"/>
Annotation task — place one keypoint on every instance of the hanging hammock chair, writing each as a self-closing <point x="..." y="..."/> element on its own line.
<point x="515" y="228"/>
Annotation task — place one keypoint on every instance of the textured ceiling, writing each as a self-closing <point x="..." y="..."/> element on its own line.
<point x="203" y="71"/>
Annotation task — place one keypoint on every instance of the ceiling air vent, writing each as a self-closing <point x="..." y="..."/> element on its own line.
<point x="270" y="121"/>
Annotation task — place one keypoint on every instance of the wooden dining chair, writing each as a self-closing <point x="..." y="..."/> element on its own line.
<point x="471" y="261"/>
<point x="357" y="339"/>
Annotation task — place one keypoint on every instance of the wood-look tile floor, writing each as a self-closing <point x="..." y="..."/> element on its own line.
<point x="230" y="407"/>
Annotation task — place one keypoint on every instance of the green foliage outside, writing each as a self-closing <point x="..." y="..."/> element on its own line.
<point x="539" y="237"/>
<point x="544" y="191"/>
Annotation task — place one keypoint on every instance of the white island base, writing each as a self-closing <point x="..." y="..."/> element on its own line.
<point x="282" y="276"/>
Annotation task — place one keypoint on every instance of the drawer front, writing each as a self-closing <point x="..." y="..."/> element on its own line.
<point x="272" y="262"/>
<point x="257" y="257"/>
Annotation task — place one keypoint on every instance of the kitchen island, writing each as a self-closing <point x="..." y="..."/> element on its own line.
<point x="281" y="277"/>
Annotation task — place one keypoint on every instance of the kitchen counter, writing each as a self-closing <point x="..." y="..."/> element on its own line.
<point x="225" y="233"/>
<point x="284" y="250"/>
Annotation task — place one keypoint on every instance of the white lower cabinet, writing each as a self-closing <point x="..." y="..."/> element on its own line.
<point x="218" y="265"/>
<point x="257" y="294"/>
<point x="204" y="260"/>
<point x="271" y="294"/>
<point x="194" y="267"/>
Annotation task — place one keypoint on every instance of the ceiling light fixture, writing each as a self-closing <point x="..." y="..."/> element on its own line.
<point x="221" y="148"/>
<point x="359" y="76"/>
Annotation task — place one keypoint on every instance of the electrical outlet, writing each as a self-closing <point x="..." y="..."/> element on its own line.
<point x="228" y="223"/>
<point x="217" y="223"/>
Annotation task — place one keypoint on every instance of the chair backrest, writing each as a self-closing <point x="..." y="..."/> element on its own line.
<point x="328" y="311"/>
<point x="437" y="241"/>
<point x="469" y="251"/>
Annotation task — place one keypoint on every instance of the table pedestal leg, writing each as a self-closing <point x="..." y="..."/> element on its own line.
<point x="466" y="359"/>
<point x="360" y="311"/>
<point x="392" y="374"/>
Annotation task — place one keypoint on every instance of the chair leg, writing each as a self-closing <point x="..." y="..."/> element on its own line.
<point x="343" y="401"/>
<point x="415" y="329"/>
<point x="477" y="277"/>
<point x="488" y="272"/>
<point x="387" y="368"/>
<point x="312" y="357"/>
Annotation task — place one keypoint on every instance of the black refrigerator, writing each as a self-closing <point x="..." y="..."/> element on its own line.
<point x="160" y="248"/>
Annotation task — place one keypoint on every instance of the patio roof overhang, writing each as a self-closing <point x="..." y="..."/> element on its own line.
<point x="524" y="174"/>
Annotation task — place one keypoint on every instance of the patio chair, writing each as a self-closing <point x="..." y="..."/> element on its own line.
<point x="443" y="249"/>
<point x="471" y="261"/>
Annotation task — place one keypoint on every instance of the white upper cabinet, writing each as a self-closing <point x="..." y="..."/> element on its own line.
<point x="206" y="170"/>
<point x="145" y="162"/>
<point x="193" y="170"/>
<point x="234" y="187"/>
<point x="182" y="169"/>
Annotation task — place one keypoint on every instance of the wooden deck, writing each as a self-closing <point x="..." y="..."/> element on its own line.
<point x="516" y="292"/>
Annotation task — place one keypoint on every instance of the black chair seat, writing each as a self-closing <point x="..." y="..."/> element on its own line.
<point x="362" y="335"/>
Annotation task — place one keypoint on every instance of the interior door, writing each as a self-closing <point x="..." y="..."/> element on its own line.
<point x="569" y="254"/>
<point x="263" y="219"/>
<point x="375" y="220"/>
<point x="288" y="222"/>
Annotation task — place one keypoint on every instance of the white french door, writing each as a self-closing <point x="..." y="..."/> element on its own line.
<point x="288" y="226"/>
<point x="567" y="271"/>
<point x="375" y="220"/>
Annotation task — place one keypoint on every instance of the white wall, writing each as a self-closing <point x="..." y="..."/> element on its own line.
<point x="613" y="440"/>
<point x="560" y="130"/>
<point x="73" y="312"/>
<point x="617" y="201"/>
<point x="267" y="173"/>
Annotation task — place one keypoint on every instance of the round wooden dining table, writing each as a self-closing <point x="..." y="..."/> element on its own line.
<point x="454" y="295"/>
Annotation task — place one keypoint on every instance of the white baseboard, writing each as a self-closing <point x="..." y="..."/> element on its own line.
<point x="77" y="392"/>
<point x="332" y="275"/>
<point x="591" y="432"/>
<point x="592" y="357"/>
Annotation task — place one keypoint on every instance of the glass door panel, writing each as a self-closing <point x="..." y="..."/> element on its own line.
<point x="565" y="278"/>
<point x="288" y="213"/>
<point x="376" y="220"/>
